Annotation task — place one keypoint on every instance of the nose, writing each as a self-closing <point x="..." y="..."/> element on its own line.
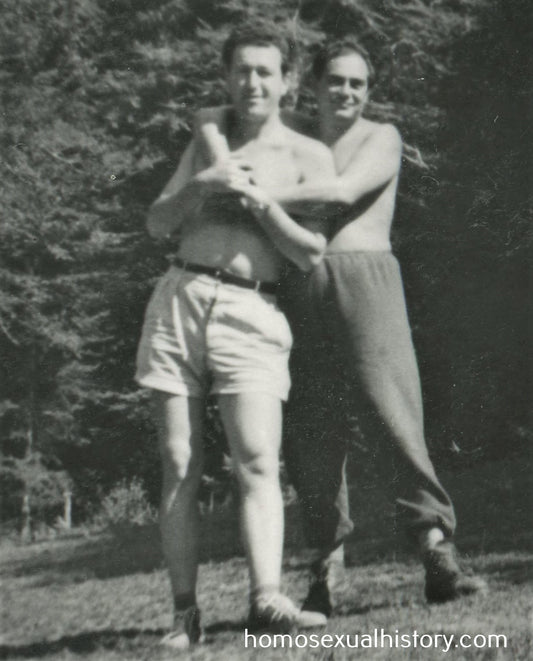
<point x="252" y="79"/>
<point x="345" y="88"/>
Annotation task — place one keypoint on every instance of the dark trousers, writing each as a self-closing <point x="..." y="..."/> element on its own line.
<point x="354" y="358"/>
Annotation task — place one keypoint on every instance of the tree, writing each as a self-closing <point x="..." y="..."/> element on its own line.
<point x="98" y="99"/>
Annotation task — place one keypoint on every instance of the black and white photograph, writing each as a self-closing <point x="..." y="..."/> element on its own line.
<point x="265" y="330"/>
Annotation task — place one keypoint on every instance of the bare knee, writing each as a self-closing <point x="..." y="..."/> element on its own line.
<point x="257" y="471"/>
<point x="179" y="426"/>
<point x="180" y="463"/>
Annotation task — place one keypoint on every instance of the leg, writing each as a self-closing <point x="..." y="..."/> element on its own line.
<point x="252" y="422"/>
<point x="373" y="323"/>
<point x="315" y="448"/>
<point x="425" y="506"/>
<point x="250" y="341"/>
<point x="368" y="314"/>
<point x="253" y="426"/>
<point x="315" y="451"/>
<point x="170" y="360"/>
<point x="389" y="393"/>
<point x="179" y="424"/>
<point x="315" y="431"/>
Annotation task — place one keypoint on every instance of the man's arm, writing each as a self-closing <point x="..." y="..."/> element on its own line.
<point x="211" y="124"/>
<point x="317" y="172"/>
<point x="304" y="244"/>
<point x="209" y="131"/>
<point x="372" y="167"/>
<point x="185" y="191"/>
<point x="299" y="244"/>
<point x="168" y="212"/>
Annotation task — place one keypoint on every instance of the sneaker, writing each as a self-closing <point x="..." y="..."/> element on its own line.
<point x="445" y="580"/>
<point x="326" y="576"/>
<point x="186" y="631"/>
<point x="276" y="612"/>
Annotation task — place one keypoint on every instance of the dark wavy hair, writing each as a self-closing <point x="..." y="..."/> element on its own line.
<point x="329" y="50"/>
<point x="260" y="33"/>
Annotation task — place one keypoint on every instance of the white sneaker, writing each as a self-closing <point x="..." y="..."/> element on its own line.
<point x="277" y="612"/>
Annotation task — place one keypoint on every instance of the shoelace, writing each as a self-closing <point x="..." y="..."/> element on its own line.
<point x="277" y="607"/>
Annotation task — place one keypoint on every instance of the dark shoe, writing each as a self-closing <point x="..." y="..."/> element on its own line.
<point x="326" y="577"/>
<point x="445" y="580"/>
<point x="187" y="630"/>
<point x="276" y="612"/>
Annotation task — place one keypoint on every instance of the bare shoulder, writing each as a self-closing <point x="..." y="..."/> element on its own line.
<point x="384" y="133"/>
<point x="305" y="148"/>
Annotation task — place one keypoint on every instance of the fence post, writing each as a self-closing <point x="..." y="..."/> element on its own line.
<point x="67" y="509"/>
<point x="26" y="533"/>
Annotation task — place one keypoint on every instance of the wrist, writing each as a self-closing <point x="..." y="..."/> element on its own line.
<point x="204" y="177"/>
<point x="260" y="209"/>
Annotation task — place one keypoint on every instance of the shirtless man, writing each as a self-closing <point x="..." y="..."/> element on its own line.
<point x="213" y="326"/>
<point x="351" y="312"/>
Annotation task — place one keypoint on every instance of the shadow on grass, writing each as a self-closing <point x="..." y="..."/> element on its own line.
<point x="225" y="625"/>
<point x="122" y="640"/>
<point x="83" y="643"/>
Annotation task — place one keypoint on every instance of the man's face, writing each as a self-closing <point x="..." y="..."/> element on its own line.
<point x="255" y="81"/>
<point x="342" y="90"/>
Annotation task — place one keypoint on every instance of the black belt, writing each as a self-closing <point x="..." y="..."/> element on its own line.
<point x="226" y="276"/>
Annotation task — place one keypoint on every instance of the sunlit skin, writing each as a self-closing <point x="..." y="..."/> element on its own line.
<point x="360" y="200"/>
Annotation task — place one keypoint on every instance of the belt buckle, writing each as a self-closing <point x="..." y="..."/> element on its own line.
<point x="257" y="286"/>
<point x="217" y="273"/>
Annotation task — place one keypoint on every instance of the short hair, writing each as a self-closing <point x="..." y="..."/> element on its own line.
<point x="260" y="33"/>
<point x="329" y="50"/>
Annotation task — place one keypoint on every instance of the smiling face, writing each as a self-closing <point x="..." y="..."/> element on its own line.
<point x="342" y="89"/>
<point x="255" y="81"/>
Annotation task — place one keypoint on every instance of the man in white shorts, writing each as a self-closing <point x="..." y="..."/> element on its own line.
<point x="213" y="326"/>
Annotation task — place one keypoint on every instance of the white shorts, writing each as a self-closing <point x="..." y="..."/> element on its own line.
<point x="203" y="336"/>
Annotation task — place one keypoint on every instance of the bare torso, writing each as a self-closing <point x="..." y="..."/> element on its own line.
<point x="367" y="225"/>
<point x="224" y="234"/>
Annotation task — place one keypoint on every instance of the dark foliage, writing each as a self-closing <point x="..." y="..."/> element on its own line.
<point x="97" y="100"/>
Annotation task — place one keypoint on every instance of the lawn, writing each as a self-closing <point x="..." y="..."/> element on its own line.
<point x="106" y="597"/>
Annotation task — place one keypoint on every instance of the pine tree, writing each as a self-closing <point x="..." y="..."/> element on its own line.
<point x="98" y="99"/>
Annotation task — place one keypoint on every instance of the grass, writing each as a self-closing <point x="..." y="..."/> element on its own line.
<point x="106" y="598"/>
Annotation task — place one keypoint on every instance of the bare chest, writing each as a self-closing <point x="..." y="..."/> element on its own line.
<point x="347" y="147"/>
<point x="272" y="165"/>
<point x="344" y="152"/>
